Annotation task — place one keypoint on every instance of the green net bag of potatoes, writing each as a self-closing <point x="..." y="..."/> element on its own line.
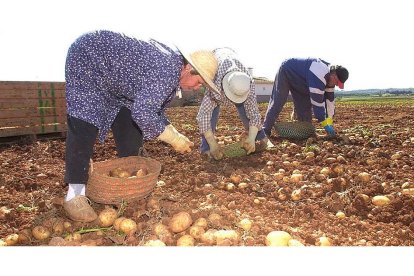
<point x="295" y="130"/>
<point x="234" y="150"/>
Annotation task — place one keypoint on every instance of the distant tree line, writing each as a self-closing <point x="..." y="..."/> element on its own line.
<point x="378" y="92"/>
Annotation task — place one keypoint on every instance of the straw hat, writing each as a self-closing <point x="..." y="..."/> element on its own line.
<point x="206" y="65"/>
<point x="236" y="86"/>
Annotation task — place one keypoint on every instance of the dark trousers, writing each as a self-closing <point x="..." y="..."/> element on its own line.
<point x="81" y="138"/>
<point x="281" y="88"/>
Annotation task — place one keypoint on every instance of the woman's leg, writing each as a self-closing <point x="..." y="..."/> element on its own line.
<point x="80" y="141"/>
<point x="127" y="135"/>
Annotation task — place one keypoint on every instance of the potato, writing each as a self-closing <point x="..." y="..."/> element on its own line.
<point x="58" y="227"/>
<point x="364" y="177"/>
<point x="115" y="172"/>
<point x="202" y="222"/>
<point x="163" y="233"/>
<point x="124" y="174"/>
<point x="407" y="185"/>
<point x="25" y="236"/>
<point x="278" y="238"/>
<point x="293" y="242"/>
<point x="296" y="195"/>
<point x="214" y="219"/>
<point x="340" y="215"/>
<point x="75" y="237"/>
<point x="230" y="235"/>
<point x="380" y="200"/>
<point x="160" y="228"/>
<point x="242" y="185"/>
<point x="128" y="226"/>
<point x="325" y="171"/>
<point x="154" y="243"/>
<point x="57" y="241"/>
<point x="296" y="177"/>
<point x="2" y="243"/>
<point x="180" y="222"/>
<point x="235" y="178"/>
<point x="196" y="232"/>
<point x="107" y="217"/>
<point x="363" y="197"/>
<point x="185" y="240"/>
<point x="338" y="169"/>
<point x="11" y="239"/>
<point x="141" y="172"/>
<point x="323" y="241"/>
<point x="40" y="233"/>
<point x="67" y="225"/>
<point x="208" y="238"/>
<point x="245" y="224"/>
<point x="408" y="191"/>
<point x="117" y="223"/>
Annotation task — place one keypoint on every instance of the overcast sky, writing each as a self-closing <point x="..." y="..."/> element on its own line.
<point x="373" y="39"/>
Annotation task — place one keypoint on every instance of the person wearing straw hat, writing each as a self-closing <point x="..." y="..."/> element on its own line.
<point x="121" y="83"/>
<point x="311" y="82"/>
<point x="236" y="87"/>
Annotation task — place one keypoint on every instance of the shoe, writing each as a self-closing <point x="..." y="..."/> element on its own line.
<point x="79" y="209"/>
<point x="263" y="144"/>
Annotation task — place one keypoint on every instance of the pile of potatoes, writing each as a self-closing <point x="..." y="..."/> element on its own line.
<point x="51" y="228"/>
<point x="122" y="173"/>
<point x="181" y="230"/>
<point x="109" y="217"/>
<point x="59" y="232"/>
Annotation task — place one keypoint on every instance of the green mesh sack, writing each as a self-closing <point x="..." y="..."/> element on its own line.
<point x="234" y="150"/>
<point x="295" y="130"/>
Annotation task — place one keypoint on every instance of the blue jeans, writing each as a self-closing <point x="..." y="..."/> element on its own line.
<point x="214" y="119"/>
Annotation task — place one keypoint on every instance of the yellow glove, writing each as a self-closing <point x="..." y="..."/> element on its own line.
<point x="215" y="150"/>
<point x="326" y="122"/>
<point x="179" y="142"/>
<point x="249" y="144"/>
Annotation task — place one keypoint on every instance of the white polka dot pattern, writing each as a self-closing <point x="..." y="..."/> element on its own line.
<point x="106" y="70"/>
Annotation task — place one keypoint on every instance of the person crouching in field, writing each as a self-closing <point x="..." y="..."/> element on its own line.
<point x="311" y="82"/>
<point x="236" y="87"/>
<point x="121" y="83"/>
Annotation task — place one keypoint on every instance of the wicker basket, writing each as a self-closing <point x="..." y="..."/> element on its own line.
<point x="102" y="188"/>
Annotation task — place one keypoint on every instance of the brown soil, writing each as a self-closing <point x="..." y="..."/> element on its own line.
<point x="377" y="140"/>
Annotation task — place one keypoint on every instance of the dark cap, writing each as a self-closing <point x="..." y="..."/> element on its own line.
<point x="342" y="73"/>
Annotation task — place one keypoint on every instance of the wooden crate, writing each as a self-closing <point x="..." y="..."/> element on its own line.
<point x="31" y="108"/>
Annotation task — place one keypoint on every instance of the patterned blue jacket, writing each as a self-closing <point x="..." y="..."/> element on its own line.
<point x="106" y="71"/>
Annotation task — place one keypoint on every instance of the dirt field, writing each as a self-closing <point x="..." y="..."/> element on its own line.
<point x="311" y="189"/>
